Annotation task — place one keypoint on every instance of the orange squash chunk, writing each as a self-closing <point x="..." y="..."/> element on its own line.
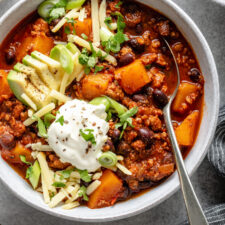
<point x="5" y="91"/>
<point x="107" y="193"/>
<point x="186" y="131"/>
<point x="80" y="27"/>
<point x="94" y="85"/>
<point x="13" y="155"/>
<point x="132" y="77"/>
<point x="185" y="89"/>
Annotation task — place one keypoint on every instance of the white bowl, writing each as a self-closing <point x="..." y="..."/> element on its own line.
<point x="152" y="198"/>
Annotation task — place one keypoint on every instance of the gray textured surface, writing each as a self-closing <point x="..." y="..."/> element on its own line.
<point x="210" y="17"/>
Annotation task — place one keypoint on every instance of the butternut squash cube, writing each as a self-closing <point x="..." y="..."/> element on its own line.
<point x="132" y="77"/>
<point x="185" y="133"/>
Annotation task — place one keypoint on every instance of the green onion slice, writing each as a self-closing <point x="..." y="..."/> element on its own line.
<point x="108" y="159"/>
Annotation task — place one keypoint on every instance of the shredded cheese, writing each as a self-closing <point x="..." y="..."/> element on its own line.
<point x="73" y="14"/>
<point x="74" y="194"/>
<point x="46" y="172"/>
<point x="29" y="101"/>
<point x="39" y="147"/>
<point x="97" y="176"/>
<point x="60" y="43"/>
<point x="102" y="14"/>
<point x="82" y="15"/>
<point x="95" y="22"/>
<point x="30" y="112"/>
<point x="71" y="205"/>
<point x="46" y="109"/>
<point x="63" y="83"/>
<point x="120" y="158"/>
<point x="60" y="196"/>
<point x="60" y="97"/>
<point x="85" y="44"/>
<point x="123" y="169"/>
<point x="77" y="69"/>
<point x="81" y="74"/>
<point x="45" y="190"/>
<point x="93" y="186"/>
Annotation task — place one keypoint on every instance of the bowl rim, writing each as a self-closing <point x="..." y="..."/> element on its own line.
<point x="136" y="211"/>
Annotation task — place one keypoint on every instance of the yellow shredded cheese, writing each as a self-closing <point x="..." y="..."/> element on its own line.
<point x="82" y="15"/>
<point x="46" y="172"/>
<point x="102" y="14"/>
<point x="63" y="83"/>
<point x="60" y="97"/>
<point x="39" y="147"/>
<point x="97" y="176"/>
<point x="123" y="169"/>
<point x="93" y="186"/>
<point x="29" y="101"/>
<point x="71" y="205"/>
<point x="85" y="44"/>
<point x="74" y="194"/>
<point x="73" y="14"/>
<point x="46" y="109"/>
<point x="80" y="76"/>
<point x="45" y="190"/>
<point x="95" y="23"/>
<point x="60" y="196"/>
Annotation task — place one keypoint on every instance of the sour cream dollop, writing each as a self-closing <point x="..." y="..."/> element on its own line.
<point x="66" y="140"/>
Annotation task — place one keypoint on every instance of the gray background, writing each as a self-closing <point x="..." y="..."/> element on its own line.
<point x="210" y="188"/>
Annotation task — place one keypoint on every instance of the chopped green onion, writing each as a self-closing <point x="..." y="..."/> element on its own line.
<point x="84" y="36"/>
<point x="101" y="100"/>
<point x="58" y="184"/>
<point x="108" y="159"/>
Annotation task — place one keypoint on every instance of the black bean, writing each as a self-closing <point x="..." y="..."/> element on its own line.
<point x="110" y="144"/>
<point x="160" y="98"/>
<point x="194" y="74"/>
<point x="126" y="59"/>
<point x="149" y="91"/>
<point x="146" y="135"/>
<point x="123" y="147"/>
<point x="139" y="98"/>
<point x="139" y="28"/>
<point x="115" y="135"/>
<point x="136" y="46"/>
<point x="7" y="141"/>
<point x="10" y="56"/>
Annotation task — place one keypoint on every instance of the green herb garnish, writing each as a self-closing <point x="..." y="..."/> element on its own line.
<point x="58" y="184"/>
<point x="82" y="193"/>
<point x="65" y="174"/>
<point x="57" y="13"/>
<point x="108" y="21"/>
<point x="84" y="36"/>
<point x="42" y="132"/>
<point x="60" y="120"/>
<point x="88" y="136"/>
<point x="114" y="42"/>
<point x="98" y="69"/>
<point x="23" y="159"/>
<point x="84" y="175"/>
<point x="126" y="120"/>
<point x="48" y="119"/>
<point x="118" y="5"/>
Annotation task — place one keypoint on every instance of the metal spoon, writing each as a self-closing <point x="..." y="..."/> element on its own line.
<point x="195" y="213"/>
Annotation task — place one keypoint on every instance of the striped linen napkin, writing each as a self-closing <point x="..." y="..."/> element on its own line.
<point x="216" y="156"/>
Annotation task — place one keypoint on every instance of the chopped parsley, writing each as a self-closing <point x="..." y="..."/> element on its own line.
<point x="67" y="29"/>
<point x="114" y="42"/>
<point x="29" y="169"/>
<point x="108" y="21"/>
<point x="48" y="119"/>
<point x="84" y="175"/>
<point x="98" y="69"/>
<point x="23" y="159"/>
<point x="89" y="136"/>
<point x="89" y="61"/>
<point x="65" y="174"/>
<point x="58" y="184"/>
<point x="118" y="5"/>
<point x="42" y="131"/>
<point x="82" y="193"/>
<point x="148" y="67"/>
<point x="84" y="36"/>
<point x="57" y="13"/>
<point x="126" y="120"/>
<point x="60" y="120"/>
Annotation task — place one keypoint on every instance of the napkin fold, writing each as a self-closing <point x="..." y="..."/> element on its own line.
<point x="216" y="156"/>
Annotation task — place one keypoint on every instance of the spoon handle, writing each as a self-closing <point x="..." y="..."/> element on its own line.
<point x="195" y="213"/>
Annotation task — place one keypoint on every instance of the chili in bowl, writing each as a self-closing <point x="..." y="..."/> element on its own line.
<point x="83" y="86"/>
